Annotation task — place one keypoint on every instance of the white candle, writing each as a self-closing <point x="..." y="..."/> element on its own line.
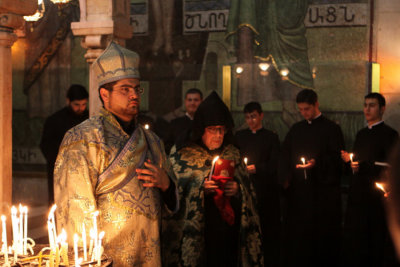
<point x="95" y="214"/>
<point x="50" y="233"/>
<point x="25" y="230"/>
<point x="14" y="222"/>
<point x="91" y="233"/>
<point x="84" y="241"/>
<point x="4" y="239"/>
<point x="76" y="240"/>
<point x="212" y="167"/>
<point x="303" y="160"/>
<point x="21" y="230"/>
<point x="101" y="235"/>
<point x="51" y="218"/>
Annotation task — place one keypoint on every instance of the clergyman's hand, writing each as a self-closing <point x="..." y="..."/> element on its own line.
<point x="231" y="188"/>
<point x="309" y="164"/>
<point x="209" y="186"/>
<point x="153" y="176"/>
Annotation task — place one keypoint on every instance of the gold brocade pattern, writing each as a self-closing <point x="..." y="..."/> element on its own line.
<point x="95" y="170"/>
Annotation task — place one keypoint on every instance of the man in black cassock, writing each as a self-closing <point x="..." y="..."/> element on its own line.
<point x="57" y="124"/>
<point x="261" y="148"/>
<point x="312" y="225"/>
<point x="180" y="127"/>
<point x="366" y="238"/>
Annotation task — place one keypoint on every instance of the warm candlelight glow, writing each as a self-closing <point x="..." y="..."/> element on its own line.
<point x="284" y="72"/>
<point x="263" y="66"/>
<point x="245" y="160"/>
<point x="303" y="160"/>
<point x="4" y="239"/>
<point x="351" y="157"/>
<point x="239" y="70"/>
<point x="380" y="186"/>
<point x="146" y="126"/>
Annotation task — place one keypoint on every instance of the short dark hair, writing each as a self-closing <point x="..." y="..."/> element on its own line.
<point x="109" y="87"/>
<point x="379" y="97"/>
<point x="194" y="91"/>
<point x="252" y="106"/>
<point x="307" y="96"/>
<point x="77" y="92"/>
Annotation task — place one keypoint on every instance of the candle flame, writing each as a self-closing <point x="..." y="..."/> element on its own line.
<point x="101" y="235"/>
<point x="76" y="237"/>
<point x="13" y="210"/>
<point x="63" y="235"/>
<point x="380" y="186"/>
<point x="245" y="160"/>
<point x="3" y="218"/>
<point x="96" y="213"/>
<point x="146" y="126"/>
<point x="303" y="160"/>
<point x="215" y="159"/>
<point x="351" y="157"/>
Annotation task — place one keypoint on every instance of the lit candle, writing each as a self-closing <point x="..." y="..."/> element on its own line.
<point x="64" y="247"/>
<point x="50" y="233"/>
<point x="212" y="167"/>
<point x="25" y="230"/>
<point x="52" y="220"/>
<point x="303" y="160"/>
<point x="99" y="253"/>
<point x="84" y="241"/>
<point x="351" y="161"/>
<point x="14" y="222"/>
<point x="381" y="187"/>
<point x="91" y="233"/>
<point x="95" y="214"/>
<point x="21" y="230"/>
<point x="146" y="126"/>
<point x="245" y="161"/>
<point x="76" y="240"/>
<point x="4" y="239"/>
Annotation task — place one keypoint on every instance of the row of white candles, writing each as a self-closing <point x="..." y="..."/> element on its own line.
<point x="19" y="231"/>
<point x="95" y="245"/>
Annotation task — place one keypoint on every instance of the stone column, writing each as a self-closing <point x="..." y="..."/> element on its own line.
<point x="100" y="22"/>
<point x="10" y="18"/>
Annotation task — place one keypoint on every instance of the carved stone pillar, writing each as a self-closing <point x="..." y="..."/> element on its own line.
<point x="11" y="12"/>
<point x="100" y="22"/>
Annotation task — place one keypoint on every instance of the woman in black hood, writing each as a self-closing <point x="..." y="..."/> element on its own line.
<point x="217" y="224"/>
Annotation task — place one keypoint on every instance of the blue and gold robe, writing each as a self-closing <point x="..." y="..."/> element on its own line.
<point x="184" y="240"/>
<point x="96" y="170"/>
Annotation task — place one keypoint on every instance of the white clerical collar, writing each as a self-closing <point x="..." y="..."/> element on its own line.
<point x="190" y="117"/>
<point x="376" y="123"/>
<point x="316" y="117"/>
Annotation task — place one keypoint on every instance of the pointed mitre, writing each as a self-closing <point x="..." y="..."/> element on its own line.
<point x="116" y="63"/>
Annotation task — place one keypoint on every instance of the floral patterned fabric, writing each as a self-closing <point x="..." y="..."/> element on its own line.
<point x="184" y="232"/>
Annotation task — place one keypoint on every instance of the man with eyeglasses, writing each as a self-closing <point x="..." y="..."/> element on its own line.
<point x="217" y="224"/>
<point x="261" y="148"/>
<point x="112" y="165"/>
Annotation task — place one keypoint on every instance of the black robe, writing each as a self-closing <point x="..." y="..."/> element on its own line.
<point x="54" y="129"/>
<point x="366" y="238"/>
<point x="179" y="130"/>
<point x="262" y="149"/>
<point x="312" y="225"/>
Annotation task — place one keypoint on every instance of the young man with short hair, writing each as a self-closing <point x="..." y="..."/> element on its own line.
<point x="180" y="127"/>
<point x="312" y="226"/>
<point x="58" y="124"/>
<point x="366" y="238"/>
<point x="261" y="148"/>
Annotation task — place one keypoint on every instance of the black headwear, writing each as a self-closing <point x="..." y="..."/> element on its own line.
<point x="212" y="111"/>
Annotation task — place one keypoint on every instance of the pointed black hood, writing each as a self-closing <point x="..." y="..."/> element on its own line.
<point x="212" y="111"/>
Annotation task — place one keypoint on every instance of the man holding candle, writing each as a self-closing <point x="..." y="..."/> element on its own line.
<point x="261" y="148"/>
<point x="204" y="232"/>
<point x="366" y="238"/>
<point x="312" y="225"/>
<point x="110" y="164"/>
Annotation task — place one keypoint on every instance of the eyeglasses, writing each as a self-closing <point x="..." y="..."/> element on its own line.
<point x="126" y="90"/>
<point x="216" y="129"/>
